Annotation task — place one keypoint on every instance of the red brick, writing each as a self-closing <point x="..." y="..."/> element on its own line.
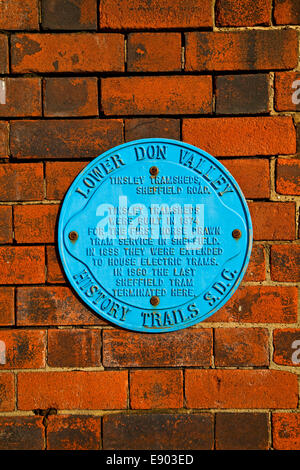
<point x="242" y="431"/>
<point x="285" y="263"/>
<point x="260" y="304"/>
<point x="3" y="54"/>
<point x="69" y="14"/>
<point x="242" y="136"/>
<point x="3" y="139"/>
<point x="73" y="52"/>
<point x="71" y="96"/>
<point x="287" y="347"/>
<point x="273" y="220"/>
<point x="285" y="94"/>
<point x="241" y="50"/>
<point x="242" y="94"/>
<point x="137" y="14"/>
<point x="288" y="176"/>
<point x="54" y="270"/>
<point x="158" y="431"/>
<point x="7" y="307"/>
<point x="6" y="234"/>
<point x="286" y="12"/>
<point x="152" y="127"/>
<point x="243" y="12"/>
<point x="286" y="431"/>
<point x="25" y="349"/>
<point x="21" y="182"/>
<point x="74" y="348"/>
<point x="252" y="175"/>
<point x="23" y="264"/>
<point x="157" y="95"/>
<point x="52" y="305"/>
<point x="176" y="349"/>
<point x="35" y="223"/>
<point x="256" y="270"/>
<point x="241" y="347"/>
<point x="22" y="97"/>
<point x="59" y="176"/>
<point x="68" y="138"/>
<point x="73" y="390"/>
<point x="154" y="52"/>
<point x="19" y="14"/>
<point x="67" y="432"/>
<point x="7" y="391"/>
<point x="156" y="389"/>
<point x="21" y="433"/>
<point x="241" y="389"/>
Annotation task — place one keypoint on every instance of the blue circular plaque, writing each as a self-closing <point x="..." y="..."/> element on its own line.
<point x="155" y="235"/>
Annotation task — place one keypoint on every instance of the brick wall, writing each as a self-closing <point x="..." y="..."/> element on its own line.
<point x="76" y="79"/>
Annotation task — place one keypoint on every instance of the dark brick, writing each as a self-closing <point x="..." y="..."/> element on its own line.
<point x="21" y="433"/>
<point x="74" y="348"/>
<point x="3" y="53"/>
<point x="6" y="233"/>
<point x="22" y="97"/>
<point x="287" y="347"/>
<point x="243" y="12"/>
<point x="73" y="432"/>
<point x="69" y="14"/>
<point x="285" y="263"/>
<point x="150" y="128"/>
<point x="158" y="431"/>
<point x="242" y="431"/>
<point x="256" y="270"/>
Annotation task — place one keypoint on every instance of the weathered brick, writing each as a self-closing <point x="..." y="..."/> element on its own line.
<point x="59" y="176"/>
<point x="286" y="12"/>
<point x="242" y="431"/>
<point x="7" y="391"/>
<point x="123" y="14"/>
<point x="148" y="128"/>
<point x="21" y="182"/>
<point x="157" y="95"/>
<point x="24" y="264"/>
<point x="35" y="223"/>
<point x="25" y="349"/>
<point x="3" y="139"/>
<point x="6" y="233"/>
<point x="242" y="136"/>
<point x="182" y="348"/>
<point x="256" y="270"/>
<point x="287" y="347"/>
<point x="243" y="12"/>
<point x="286" y="431"/>
<point x="68" y="432"/>
<point x="158" y="431"/>
<point x="73" y="390"/>
<point x="19" y="14"/>
<point x="285" y="263"/>
<point x="260" y="304"/>
<point x="3" y="54"/>
<point x="273" y="220"/>
<point x="74" y="348"/>
<point x="241" y="50"/>
<point x="241" y="347"/>
<point x="286" y="91"/>
<point x="71" y="96"/>
<point x="7" y="315"/>
<point x="242" y="94"/>
<point x="52" y="305"/>
<point x="241" y="389"/>
<point x="156" y="389"/>
<point x="68" y="138"/>
<point x="252" y="175"/>
<point x="67" y="52"/>
<point x="69" y="14"/>
<point x="21" y="433"/>
<point x="154" y="52"/>
<point x="288" y="176"/>
<point x="54" y="270"/>
<point x="20" y="97"/>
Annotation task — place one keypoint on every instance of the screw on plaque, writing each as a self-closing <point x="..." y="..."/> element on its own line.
<point x="154" y="300"/>
<point x="236" y="234"/>
<point x="154" y="171"/>
<point x="73" y="236"/>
